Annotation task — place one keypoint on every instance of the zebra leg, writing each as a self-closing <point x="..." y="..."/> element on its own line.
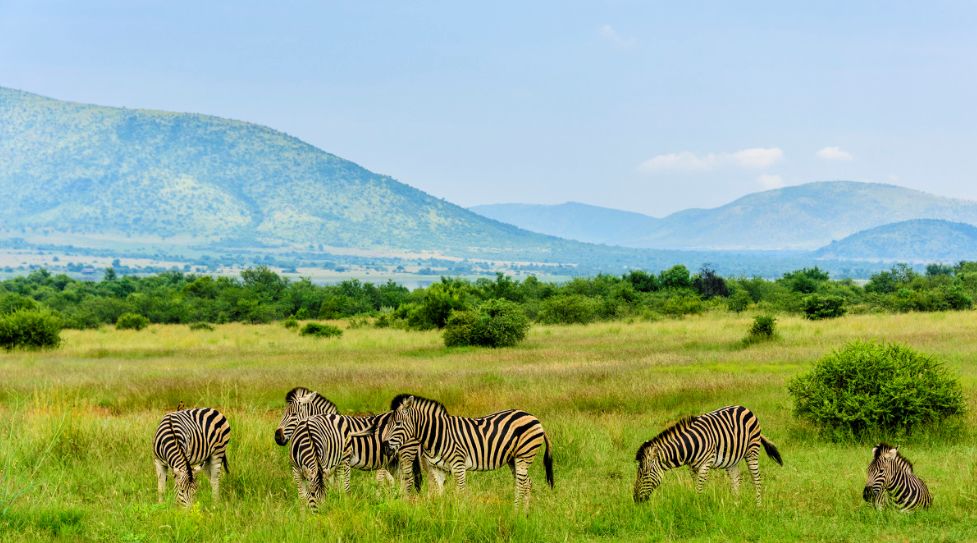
<point x="161" y="471"/>
<point x="524" y="485"/>
<point x="345" y="466"/>
<point x="753" y="462"/>
<point x="215" y="477"/>
<point x="384" y="476"/>
<point x="439" y="475"/>
<point x="734" y="478"/>
<point x="300" y="483"/>
<point x="701" y="474"/>
<point x="460" y="474"/>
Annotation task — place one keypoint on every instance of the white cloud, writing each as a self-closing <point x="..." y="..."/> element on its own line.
<point x="758" y="157"/>
<point x="770" y="181"/>
<point x="616" y="39"/>
<point x="834" y="153"/>
<point x="687" y="161"/>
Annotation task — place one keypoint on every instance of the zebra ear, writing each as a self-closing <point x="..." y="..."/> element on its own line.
<point x="306" y="398"/>
<point x="891" y="453"/>
<point x="407" y="403"/>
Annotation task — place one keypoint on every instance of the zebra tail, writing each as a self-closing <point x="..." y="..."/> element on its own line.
<point x="227" y="470"/>
<point x="548" y="461"/>
<point x="772" y="451"/>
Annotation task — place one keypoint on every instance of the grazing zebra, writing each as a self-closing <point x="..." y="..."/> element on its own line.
<point x="186" y="439"/>
<point x="891" y="473"/>
<point x="367" y="451"/>
<point x="320" y="445"/>
<point x="719" y="439"/>
<point x="459" y="444"/>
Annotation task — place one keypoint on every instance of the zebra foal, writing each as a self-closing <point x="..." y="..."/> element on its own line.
<point x="459" y="444"/>
<point x="891" y="474"/>
<point x="719" y="439"/>
<point x="189" y="439"/>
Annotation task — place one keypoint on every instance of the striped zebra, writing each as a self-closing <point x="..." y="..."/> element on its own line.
<point x="186" y="440"/>
<point x="367" y="451"/>
<point x="890" y="473"/>
<point x="719" y="439"/>
<point x="320" y="446"/>
<point x="460" y="444"/>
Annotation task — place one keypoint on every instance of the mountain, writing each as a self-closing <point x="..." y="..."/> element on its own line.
<point x="802" y="217"/>
<point x="103" y="172"/>
<point x="572" y="220"/>
<point x="920" y="240"/>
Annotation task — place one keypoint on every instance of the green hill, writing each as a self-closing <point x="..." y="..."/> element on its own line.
<point x="69" y="168"/>
<point x="921" y="240"/>
<point x="803" y="217"/>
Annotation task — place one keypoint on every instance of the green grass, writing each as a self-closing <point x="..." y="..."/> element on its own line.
<point x="76" y="426"/>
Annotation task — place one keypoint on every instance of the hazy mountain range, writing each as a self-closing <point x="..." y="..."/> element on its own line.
<point x="919" y="240"/>
<point x="105" y="176"/>
<point x="803" y="217"/>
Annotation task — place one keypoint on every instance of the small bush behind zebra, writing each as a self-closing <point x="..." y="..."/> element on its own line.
<point x="764" y="328"/>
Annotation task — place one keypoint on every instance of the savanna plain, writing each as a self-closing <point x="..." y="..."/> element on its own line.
<point x="76" y="427"/>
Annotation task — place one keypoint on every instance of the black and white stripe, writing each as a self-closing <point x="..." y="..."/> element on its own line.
<point x="367" y="452"/>
<point x="891" y="474"/>
<point x="191" y="439"/>
<point x="720" y="439"/>
<point x="320" y="446"/>
<point x="457" y="445"/>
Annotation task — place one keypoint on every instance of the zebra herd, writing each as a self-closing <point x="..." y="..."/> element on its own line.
<point x="418" y="434"/>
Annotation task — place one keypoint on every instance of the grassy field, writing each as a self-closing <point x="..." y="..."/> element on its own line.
<point x="76" y="427"/>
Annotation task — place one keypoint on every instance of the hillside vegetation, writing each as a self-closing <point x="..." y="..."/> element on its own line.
<point x="923" y="240"/>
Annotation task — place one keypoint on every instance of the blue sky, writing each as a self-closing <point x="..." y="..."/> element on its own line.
<point x="646" y="106"/>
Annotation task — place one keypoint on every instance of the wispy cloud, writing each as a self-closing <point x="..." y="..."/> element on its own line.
<point x="688" y="162"/>
<point x="770" y="181"/>
<point x="834" y="153"/>
<point x="615" y="38"/>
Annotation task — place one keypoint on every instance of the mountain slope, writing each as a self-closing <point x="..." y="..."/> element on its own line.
<point x="572" y="220"/>
<point x="803" y="217"/>
<point x="92" y="170"/>
<point x="921" y="240"/>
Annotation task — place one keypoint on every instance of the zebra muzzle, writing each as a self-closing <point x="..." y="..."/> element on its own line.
<point x="280" y="437"/>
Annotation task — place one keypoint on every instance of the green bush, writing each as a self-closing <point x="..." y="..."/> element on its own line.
<point x="569" y="309"/>
<point x="131" y="321"/>
<point x="494" y="323"/>
<point x="764" y="328"/>
<point x="873" y="390"/>
<point x="201" y="326"/>
<point x="291" y="323"/>
<point x="739" y="301"/>
<point x="818" y="306"/>
<point x="316" y="329"/>
<point x="30" y="329"/>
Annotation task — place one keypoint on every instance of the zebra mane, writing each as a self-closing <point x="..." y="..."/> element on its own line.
<point x="665" y="435"/>
<point x="399" y="399"/>
<point x="293" y="394"/>
<point x="883" y="447"/>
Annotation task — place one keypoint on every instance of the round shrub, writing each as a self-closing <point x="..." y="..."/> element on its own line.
<point x="818" y="306"/>
<point x="868" y="390"/>
<point x="201" y="326"/>
<point x="494" y="323"/>
<point x="30" y="329"/>
<point x="568" y="309"/>
<point x="291" y="323"/>
<point x="316" y="329"/>
<point x="131" y="321"/>
<point x="764" y="327"/>
<point x="739" y="301"/>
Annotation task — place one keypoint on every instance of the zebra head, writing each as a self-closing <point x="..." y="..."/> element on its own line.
<point x="649" y="471"/>
<point x="301" y="403"/>
<point x="885" y="464"/>
<point x="307" y="462"/>
<point x="186" y="485"/>
<point x="401" y="427"/>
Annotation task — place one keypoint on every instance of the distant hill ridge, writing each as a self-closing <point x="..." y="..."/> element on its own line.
<point x="918" y="240"/>
<point x="85" y="169"/>
<point x="802" y="217"/>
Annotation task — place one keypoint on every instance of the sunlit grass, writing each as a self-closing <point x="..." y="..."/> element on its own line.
<point x="600" y="391"/>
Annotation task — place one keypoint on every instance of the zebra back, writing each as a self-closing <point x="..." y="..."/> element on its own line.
<point x="189" y="437"/>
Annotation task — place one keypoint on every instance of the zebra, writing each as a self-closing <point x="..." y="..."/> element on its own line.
<point x="320" y="446"/>
<point x="189" y="439"/>
<point x="367" y="451"/>
<point x="459" y="444"/>
<point x="890" y="473"/>
<point x="719" y="439"/>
